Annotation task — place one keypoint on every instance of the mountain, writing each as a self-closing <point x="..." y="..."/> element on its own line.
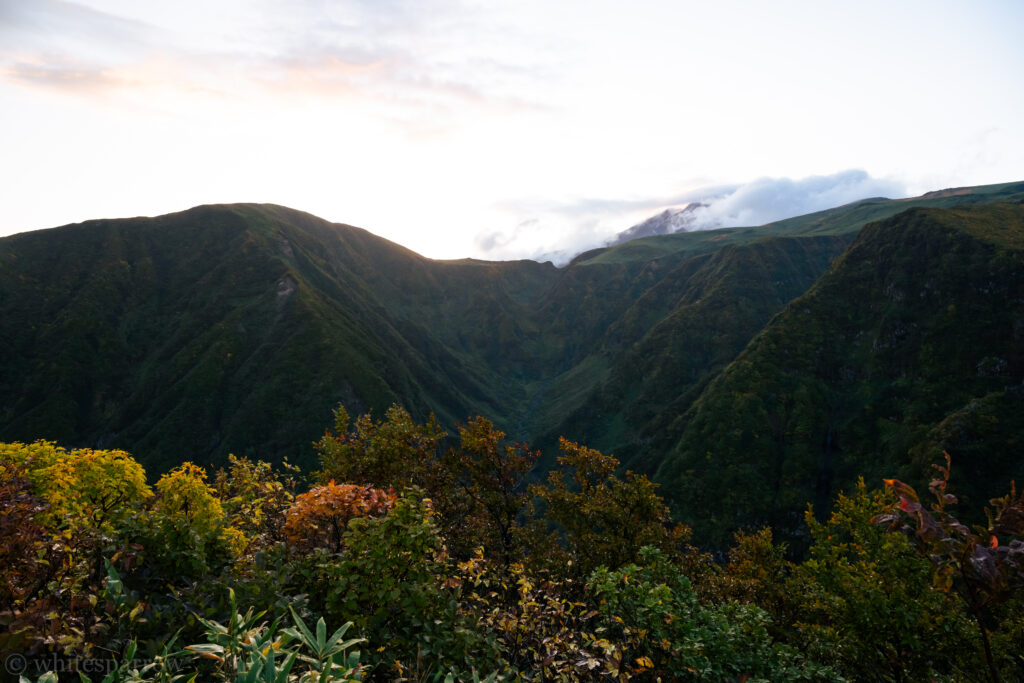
<point x="238" y="328"/>
<point x="234" y="329"/>
<point x="668" y="222"/>
<point x="917" y="329"/>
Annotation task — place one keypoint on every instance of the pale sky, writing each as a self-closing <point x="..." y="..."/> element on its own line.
<point x="500" y="129"/>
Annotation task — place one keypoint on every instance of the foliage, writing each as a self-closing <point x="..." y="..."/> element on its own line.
<point x="601" y="519"/>
<point x="319" y="517"/>
<point x="255" y="497"/>
<point x="478" y="488"/>
<point x="484" y="492"/>
<point x="860" y="583"/>
<point x="393" y="453"/>
<point x="82" y="487"/>
<point x="651" y="611"/>
<point x="541" y="631"/>
<point x="33" y="560"/>
<point x="62" y="512"/>
<point x="758" y="573"/>
<point x="983" y="566"/>
<point x="583" y="578"/>
<point x="392" y="579"/>
<point x="186" y="532"/>
<point x="247" y="650"/>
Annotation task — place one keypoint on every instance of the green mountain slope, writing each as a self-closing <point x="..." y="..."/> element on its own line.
<point x="684" y="330"/>
<point x="235" y="329"/>
<point x="921" y="315"/>
<point x="721" y="287"/>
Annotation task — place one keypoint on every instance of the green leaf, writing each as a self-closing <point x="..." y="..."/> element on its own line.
<point x="321" y="634"/>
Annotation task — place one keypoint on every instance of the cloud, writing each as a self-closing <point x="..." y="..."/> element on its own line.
<point x="496" y="240"/>
<point x="560" y="230"/>
<point x="70" y="32"/>
<point x="62" y="76"/>
<point x="409" y="61"/>
<point x="50" y="21"/>
<point x="591" y="208"/>
<point x="771" y="199"/>
<point x="71" y="48"/>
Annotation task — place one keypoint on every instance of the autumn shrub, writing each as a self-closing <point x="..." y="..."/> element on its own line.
<point x="757" y="572"/>
<point x="255" y="497"/>
<point x="541" y="627"/>
<point x="983" y="567"/>
<point x="22" y="537"/>
<point x="481" y="491"/>
<point x="393" y="453"/>
<point x="319" y="518"/>
<point x="82" y="487"/>
<point x="65" y="511"/>
<point x="186" y="533"/>
<point x="31" y="558"/>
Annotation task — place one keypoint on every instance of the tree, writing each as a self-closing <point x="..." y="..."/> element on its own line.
<point x="393" y="453"/>
<point x="484" y="492"/>
<point x="86" y="488"/>
<point x="394" y="580"/>
<point x="186" y="531"/>
<point x="477" y="489"/>
<point x="600" y="519"/>
<point x="319" y="517"/>
<point x="662" y="631"/>
<point x="255" y="498"/>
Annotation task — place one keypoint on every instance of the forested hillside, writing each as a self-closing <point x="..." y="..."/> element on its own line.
<point x="920" y="319"/>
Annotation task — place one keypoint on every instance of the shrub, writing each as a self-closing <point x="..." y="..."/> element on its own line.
<point x="318" y="518"/>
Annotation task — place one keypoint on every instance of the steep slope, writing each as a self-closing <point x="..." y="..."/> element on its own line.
<point x="923" y="313"/>
<point x="232" y="328"/>
<point x="682" y="331"/>
<point x="709" y="293"/>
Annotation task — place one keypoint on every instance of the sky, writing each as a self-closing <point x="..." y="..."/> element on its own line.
<point x="500" y="130"/>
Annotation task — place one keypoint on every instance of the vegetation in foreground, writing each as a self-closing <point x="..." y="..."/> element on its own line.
<point x="403" y="559"/>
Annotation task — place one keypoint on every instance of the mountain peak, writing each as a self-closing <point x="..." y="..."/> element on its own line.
<point x="667" y="222"/>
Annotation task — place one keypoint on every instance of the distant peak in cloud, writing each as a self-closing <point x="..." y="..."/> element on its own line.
<point x="763" y="201"/>
<point x="667" y="222"/>
<point x="559" y="231"/>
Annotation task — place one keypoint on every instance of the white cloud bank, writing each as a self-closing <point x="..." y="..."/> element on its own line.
<point x="766" y="200"/>
<point x="564" y="230"/>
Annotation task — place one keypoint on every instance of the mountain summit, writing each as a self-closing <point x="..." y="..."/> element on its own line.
<point x="668" y="222"/>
